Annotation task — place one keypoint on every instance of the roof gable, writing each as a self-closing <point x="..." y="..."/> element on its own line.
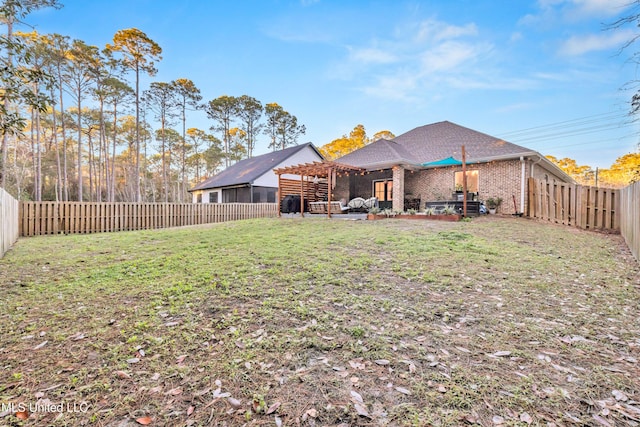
<point x="378" y="154"/>
<point x="440" y="140"/>
<point x="248" y="170"/>
<point x="431" y="143"/>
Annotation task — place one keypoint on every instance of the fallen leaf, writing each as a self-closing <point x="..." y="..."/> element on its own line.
<point x="356" y="397"/>
<point x="501" y="353"/>
<point x="403" y="391"/>
<point x="497" y="419"/>
<point x="278" y="421"/>
<point x="273" y="408"/>
<point x="123" y="375"/>
<point x="144" y="420"/>
<point x="77" y="337"/>
<point x="39" y="346"/>
<point x="602" y="421"/>
<point x="133" y="360"/>
<point x="619" y="395"/>
<point x="22" y="415"/>
<point x="174" y="391"/>
<point x="312" y="413"/>
<point x="526" y="418"/>
<point x="234" y="402"/>
<point x="190" y="410"/>
<point x="361" y="410"/>
<point x="181" y="358"/>
<point x="381" y="362"/>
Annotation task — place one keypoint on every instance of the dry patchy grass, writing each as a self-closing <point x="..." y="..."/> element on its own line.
<point x="317" y="322"/>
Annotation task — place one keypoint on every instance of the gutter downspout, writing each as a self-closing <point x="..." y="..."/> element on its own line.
<point x="522" y="184"/>
<point x="533" y="165"/>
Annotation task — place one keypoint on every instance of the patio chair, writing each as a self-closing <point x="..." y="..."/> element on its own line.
<point x="371" y="202"/>
<point x="356" y="203"/>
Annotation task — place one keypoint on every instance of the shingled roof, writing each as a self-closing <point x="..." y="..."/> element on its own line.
<point x="248" y="170"/>
<point x="433" y="142"/>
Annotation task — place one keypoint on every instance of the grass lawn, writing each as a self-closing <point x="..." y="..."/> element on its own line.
<point x="497" y="321"/>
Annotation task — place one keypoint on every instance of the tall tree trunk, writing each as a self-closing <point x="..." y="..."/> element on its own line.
<point x="183" y="156"/>
<point x="34" y="165"/>
<point x="38" y="160"/>
<point x="54" y="121"/>
<point x="5" y="137"/>
<point x="91" y="162"/>
<point x="103" y="167"/>
<point x="113" y="155"/>
<point x="137" y="167"/>
<point x="65" y="176"/>
<point x="165" y="187"/>
<point x="80" y="195"/>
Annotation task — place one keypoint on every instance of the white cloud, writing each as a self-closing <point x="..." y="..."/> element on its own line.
<point x="552" y="11"/>
<point x="372" y="56"/>
<point x="448" y="56"/>
<point x="600" y="7"/>
<point x="432" y="30"/>
<point x="579" y="45"/>
<point x="414" y="60"/>
<point x="398" y="87"/>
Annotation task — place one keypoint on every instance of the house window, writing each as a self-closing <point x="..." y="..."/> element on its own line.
<point x="213" y="197"/>
<point x="472" y="181"/>
<point x="199" y="198"/>
<point x="271" y="196"/>
<point x="383" y="190"/>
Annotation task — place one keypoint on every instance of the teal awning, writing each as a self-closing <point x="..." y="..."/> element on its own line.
<point x="449" y="161"/>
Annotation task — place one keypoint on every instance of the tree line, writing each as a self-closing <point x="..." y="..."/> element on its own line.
<point x="76" y="124"/>
<point x="625" y="170"/>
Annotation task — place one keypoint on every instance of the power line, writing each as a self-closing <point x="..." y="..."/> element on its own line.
<point x="570" y="128"/>
<point x="566" y="123"/>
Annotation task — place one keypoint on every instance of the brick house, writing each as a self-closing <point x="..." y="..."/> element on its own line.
<point x="424" y="165"/>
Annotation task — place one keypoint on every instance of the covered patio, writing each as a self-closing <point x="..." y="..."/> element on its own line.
<point x="312" y="173"/>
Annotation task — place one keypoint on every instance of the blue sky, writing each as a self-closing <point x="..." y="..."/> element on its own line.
<point x="496" y="66"/>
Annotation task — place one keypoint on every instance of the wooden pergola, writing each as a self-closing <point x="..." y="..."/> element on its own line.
<point x="325" y="169"/>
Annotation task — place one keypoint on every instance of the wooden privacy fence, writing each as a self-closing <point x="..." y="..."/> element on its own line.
<point x="8" y="221"/>
<point x="38" y="218"/>
<point x="576" y="205"/>
<point x="630" y="217"/>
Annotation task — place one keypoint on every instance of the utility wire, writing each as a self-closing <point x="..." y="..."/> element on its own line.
<point x="566" y="123"/>
<point x="569" y="128"/>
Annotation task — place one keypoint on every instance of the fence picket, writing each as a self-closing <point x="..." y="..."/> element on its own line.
<point x="38" y="218"/>
<point x="576" y="205"/>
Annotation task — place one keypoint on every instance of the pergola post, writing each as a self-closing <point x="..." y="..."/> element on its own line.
<point x="464" y="182"/>
<point x="301" y="196"/>
<point x="318" y="169"/>
<point x="279" y="196"/>
<point x="329" y="182"/>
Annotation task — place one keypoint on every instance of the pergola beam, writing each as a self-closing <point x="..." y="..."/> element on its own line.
<point x="317" y="169"/>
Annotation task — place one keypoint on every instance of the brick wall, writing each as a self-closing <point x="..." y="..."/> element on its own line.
<point x="398" y="188"/>
<point x="351" y="186"/>
<point x="495" y="179"/>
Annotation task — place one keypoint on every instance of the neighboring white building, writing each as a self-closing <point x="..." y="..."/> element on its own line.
<point x="253" y="180"/>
